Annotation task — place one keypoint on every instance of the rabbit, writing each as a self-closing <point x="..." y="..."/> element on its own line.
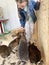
<point x="14" y="44"/>
<point x="34" y="53"/>
<point x="5" y="51"/>
<point x="23" y="49"/>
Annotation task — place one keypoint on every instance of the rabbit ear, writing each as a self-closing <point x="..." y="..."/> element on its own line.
<point x="33" y="43"/>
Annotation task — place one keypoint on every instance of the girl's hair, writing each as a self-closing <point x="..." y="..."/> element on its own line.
<point x="20" y="1"/>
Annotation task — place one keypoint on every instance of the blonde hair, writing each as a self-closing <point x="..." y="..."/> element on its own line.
<point x="20" y="1"/>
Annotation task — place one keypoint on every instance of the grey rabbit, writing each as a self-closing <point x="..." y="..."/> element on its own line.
<point x="23" y="48"/>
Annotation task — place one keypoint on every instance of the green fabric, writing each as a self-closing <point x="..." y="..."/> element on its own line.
<point x="5" y="31"/>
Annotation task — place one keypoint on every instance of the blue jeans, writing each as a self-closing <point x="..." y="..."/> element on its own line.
<point x="22" y="23"/>
<point x="23" y="15"/>
<point x="33" y="6"/>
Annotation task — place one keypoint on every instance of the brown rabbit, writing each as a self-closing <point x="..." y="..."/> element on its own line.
<point x="5" y="51"/>
<point x="15" y="42"/>
<point x="34" y="53"/>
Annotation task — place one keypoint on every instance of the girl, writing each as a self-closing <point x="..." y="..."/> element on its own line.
<point x="22" y="13"/>
<point x="29" y="7"/>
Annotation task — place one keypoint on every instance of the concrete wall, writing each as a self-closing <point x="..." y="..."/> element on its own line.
<point x="43" y="30"/>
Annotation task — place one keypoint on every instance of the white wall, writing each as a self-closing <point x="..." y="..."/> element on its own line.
<point x="11" y="13"/>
